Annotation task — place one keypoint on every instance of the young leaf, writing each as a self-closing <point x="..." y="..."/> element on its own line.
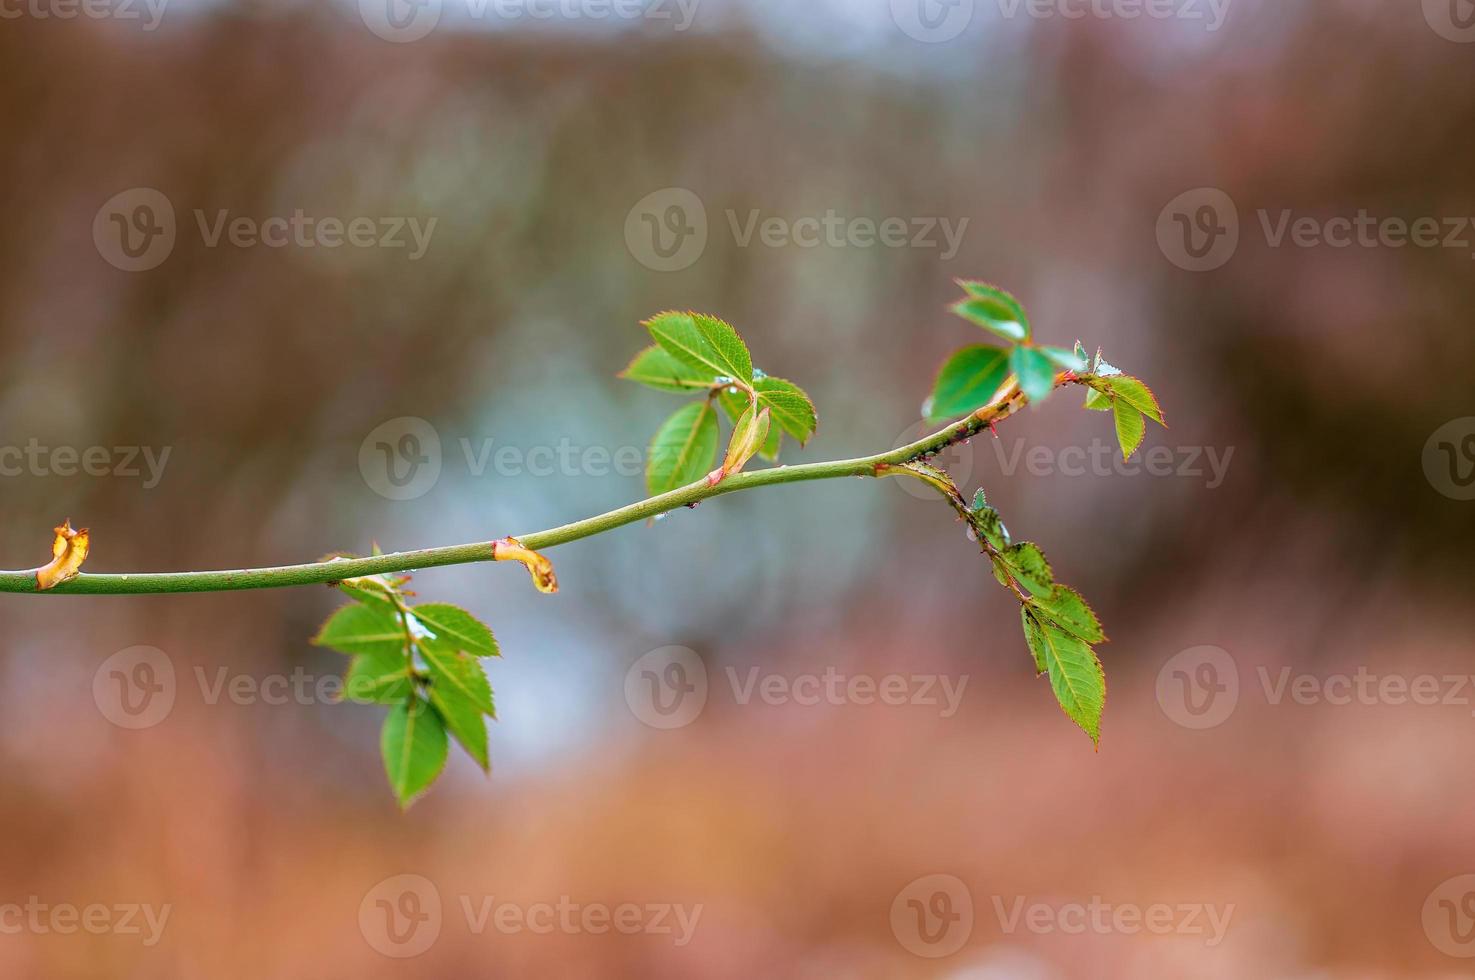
<point x="993" y="309"/>
<point x="705" y="343"/>
<point x="457" y="627"/>
<point x="1138" y="395"/>
<point x="363" y="628"/>
<point x="1081" y="354"/>
<point x="1130" y="428"/>
<point x="967" y="380"/>
<point x="380" y="677"/>
<point x="413" y="744"/>
<point x="1066" y="608"/>
<point x="1035" y="370"/>
<point x="1075" y="674"/>
<point x="748" y="436"/>
<point x="1096" y="401"/>
<point x="684" y="449"/>
<point x="792" y="409"/>
<point x="1065" y="359"/>
<point x="657" y="368"/>
<point x="1027" y="563"/>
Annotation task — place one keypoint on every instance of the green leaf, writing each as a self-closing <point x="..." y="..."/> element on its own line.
<point x="792" y="409"/>
<point x="1096" y="401"/>
<point x="986" y="522"/>
<point x="1066" y="608"/>
<point x="378" y="678"/>
<point x="1138" y="395"/>
<point x="1081" y="354"/>
<point x="1075" y="674"/>
<point x="1027" y="563"/>
<point x="1065" y="359"/>
<point x="657" y="368"/>
<point x="413" y="743"/>
<point x="1101" y="368"/>
<point x="466" y="724"/>
<point x="684" y="449"/>
<point x="363" y="628"/>
<point x="967" y="380"/>
<point x="461" y="694"/>
<point x="458" y="672"/>
<point x="1130" y="428"/>
<point x="703" y="342"/>
<point x="1036" y="372"/>
<point x="1035" y="639"/>
<point x="459" y="628"/>
<point x="993" y="309"/>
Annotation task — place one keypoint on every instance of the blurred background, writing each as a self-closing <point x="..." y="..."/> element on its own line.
<point x="249" y="248"/>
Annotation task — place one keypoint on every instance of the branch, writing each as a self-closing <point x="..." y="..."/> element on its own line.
<point x="328" y="572"/>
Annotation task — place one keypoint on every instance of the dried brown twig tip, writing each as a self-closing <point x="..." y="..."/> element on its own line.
<point x="539" y="567"/>
<point x="68" y="552"/>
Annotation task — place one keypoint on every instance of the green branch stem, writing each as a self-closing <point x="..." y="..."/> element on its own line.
<point x="332" y="571"/>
